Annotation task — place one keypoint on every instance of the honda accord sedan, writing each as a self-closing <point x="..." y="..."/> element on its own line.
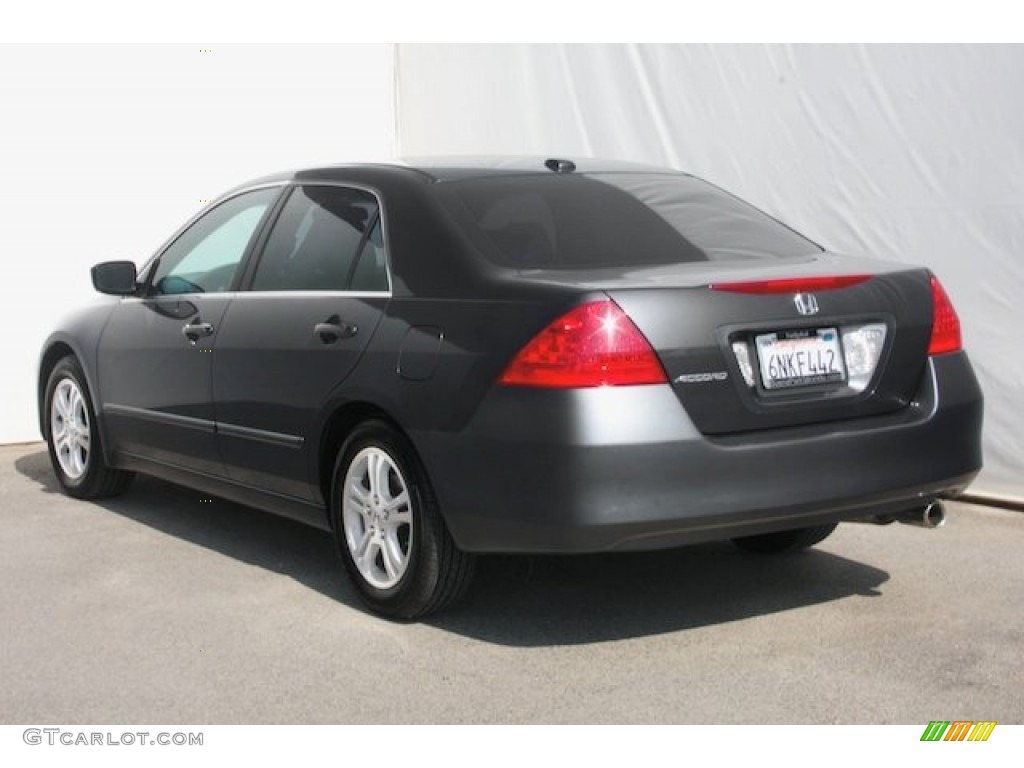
<point x="454" y="357"/>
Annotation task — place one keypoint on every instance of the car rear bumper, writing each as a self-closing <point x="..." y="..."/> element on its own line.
<point x="624" y="468"/>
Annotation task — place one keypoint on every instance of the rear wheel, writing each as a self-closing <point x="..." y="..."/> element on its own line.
<point x="786" y="541"/>
<point x="73" y="438"/>
<point x="392" y="539"/>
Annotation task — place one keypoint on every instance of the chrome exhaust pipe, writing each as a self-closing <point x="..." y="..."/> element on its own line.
<point x="934" y="515"/>
<point x="931" y="515"/>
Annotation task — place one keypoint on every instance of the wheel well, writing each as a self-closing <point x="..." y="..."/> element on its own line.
<point x="57" y="352"/>
<point x="338" y="428"/>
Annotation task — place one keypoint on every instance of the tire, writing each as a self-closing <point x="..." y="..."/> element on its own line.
<point x="785" y="542"/>
<point x="392" y="539"/>
<point x="73" y="437"/>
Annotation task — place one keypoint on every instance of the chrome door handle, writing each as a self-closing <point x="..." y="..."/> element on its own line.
<point x="334" y="329"/>
<point x="193" y="331"/>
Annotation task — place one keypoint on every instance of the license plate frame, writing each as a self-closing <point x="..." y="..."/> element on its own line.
<point x="800" y="359"/>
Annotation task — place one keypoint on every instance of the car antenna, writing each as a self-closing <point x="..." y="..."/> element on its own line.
<point x="560" y="166"/>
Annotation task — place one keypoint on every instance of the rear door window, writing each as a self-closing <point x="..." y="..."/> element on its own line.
<point x="318" y="241"/>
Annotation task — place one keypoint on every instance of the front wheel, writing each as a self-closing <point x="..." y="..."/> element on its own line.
<point x="392" y="539"/>
<point x="783" y="542"/>
<point x="73" y="437"/>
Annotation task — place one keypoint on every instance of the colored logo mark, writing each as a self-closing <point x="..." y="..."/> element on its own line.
<point x="958" y="730"/>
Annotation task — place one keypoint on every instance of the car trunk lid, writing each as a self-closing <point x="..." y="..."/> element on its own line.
<point x="749" y="353"/>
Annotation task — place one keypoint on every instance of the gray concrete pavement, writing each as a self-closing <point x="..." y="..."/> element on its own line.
<point x="159" y="607"/>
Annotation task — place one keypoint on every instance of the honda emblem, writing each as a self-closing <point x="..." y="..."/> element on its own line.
<point x="806" y="303"/>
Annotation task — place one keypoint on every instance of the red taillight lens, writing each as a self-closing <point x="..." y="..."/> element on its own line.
<point x="945" y="323"/>
<point x="593" y="345"/>
<point x="792" y="284"/>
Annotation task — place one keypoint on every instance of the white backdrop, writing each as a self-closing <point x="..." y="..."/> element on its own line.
<point x="910" y="152"/>
<point x="913" y="153"/>
<point x="106" y="150"/>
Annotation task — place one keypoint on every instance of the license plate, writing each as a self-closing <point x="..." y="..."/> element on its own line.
<point x="801" y="358"/>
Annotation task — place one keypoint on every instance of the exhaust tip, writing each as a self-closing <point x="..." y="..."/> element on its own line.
<point x="934" y="515"/>
<point x="931" y="515"/>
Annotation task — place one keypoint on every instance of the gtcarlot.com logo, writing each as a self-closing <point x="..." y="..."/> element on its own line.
<point x="55" y="736"/>
<point x="958" y="730"/>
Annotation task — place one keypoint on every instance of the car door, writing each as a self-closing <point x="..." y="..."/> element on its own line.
<point x="288" y="341"/>
<point x="154" y="357"/>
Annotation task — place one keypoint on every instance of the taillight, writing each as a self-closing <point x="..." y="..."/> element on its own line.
<point x="592" y="345"/>
<point x="945" y="323"/>
<point x="792" y="284"/>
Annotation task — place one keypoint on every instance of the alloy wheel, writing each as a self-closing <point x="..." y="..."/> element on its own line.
<point x="377" y="517"/>
<point x="69" y="428"/>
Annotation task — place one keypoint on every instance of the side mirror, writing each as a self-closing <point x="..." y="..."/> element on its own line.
<point x="114" y="277"/>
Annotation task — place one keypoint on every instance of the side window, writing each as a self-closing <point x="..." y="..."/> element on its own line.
<point x="206" y="256"/>
<point x="316" y="241"/>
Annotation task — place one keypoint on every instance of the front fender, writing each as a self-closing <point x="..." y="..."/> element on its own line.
<point x="78" y="333"/>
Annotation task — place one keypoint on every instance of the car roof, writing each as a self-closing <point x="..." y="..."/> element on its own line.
<point x="451" y="168"/>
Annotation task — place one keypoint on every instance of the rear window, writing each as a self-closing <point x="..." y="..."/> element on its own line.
<point x="614" y="220"/>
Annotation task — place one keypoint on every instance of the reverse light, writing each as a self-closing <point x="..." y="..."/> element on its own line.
<point x="862" y="349"/>
<point x="792" y="284"/>
<point x="945" y="323"/>
<point x="592" y="345"/>
<point x="742" y="353"/>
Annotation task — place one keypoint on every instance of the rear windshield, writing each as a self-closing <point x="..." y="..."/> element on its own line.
<point x="614" y="220"/>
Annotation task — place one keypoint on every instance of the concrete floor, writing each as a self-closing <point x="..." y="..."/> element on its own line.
<point x="161" y="608"/>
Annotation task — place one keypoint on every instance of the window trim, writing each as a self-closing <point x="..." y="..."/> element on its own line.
<point x="244" y="286"/>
